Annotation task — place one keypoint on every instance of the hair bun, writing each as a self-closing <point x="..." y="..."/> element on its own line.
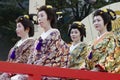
<point x="112" y="14"/>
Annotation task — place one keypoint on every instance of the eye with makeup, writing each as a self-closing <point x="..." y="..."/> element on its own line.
<point x="96" y="20"/>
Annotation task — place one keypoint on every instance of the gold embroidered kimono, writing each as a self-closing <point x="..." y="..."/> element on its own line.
<point x="117" y="50"/>
<point x="19" y="54"/>
<point x="50" y="51"/>
<point x="77" y="56"/>
<point x="102" y="56"/>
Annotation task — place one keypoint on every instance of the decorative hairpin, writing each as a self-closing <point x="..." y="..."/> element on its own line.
<point x="104" y="10"/>
<point x="59" y="13"/>
<point x="101" y="12"/>
<point x="49" y="6"/>
<point x="21" y="18"/>
<point x="78" y="22"/>
<point x="26" y="16"/>
<point x="112" y="14"/>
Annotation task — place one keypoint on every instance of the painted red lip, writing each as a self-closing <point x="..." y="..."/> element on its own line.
<point x="96" y="26"/>
<point x="40" y="23"/>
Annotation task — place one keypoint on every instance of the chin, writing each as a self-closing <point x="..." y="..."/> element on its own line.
<point x="97" y="29"/>
<point x="74" y="40"/>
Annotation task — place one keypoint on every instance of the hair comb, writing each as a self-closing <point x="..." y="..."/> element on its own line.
<point x="26" y="16"/>
<point x="49" y="6"/>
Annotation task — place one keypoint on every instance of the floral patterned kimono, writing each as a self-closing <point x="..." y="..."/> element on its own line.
<point x="50" y="50"/>
<point x="102" y="56"/>
<point x="78" y="54"/>
<point x="19" y="54"/>
<point x="116" y="32"/>
<point x="21" y="51"/>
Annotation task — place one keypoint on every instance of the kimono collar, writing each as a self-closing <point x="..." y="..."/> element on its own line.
<point x="98" y="37"/>
<point x="22" y="41"/>
<point x="45" y="34"/>
<point x="72" y="47"/>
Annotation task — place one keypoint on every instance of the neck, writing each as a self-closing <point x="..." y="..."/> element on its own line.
<point x="102" y="32"/>
<point x="47" y="28"/>
<point x="24" y="37"/>
<point x="76" y="42"/>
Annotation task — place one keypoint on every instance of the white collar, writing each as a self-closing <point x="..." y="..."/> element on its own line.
<point x="45" y="34"/>
<point x="72" y="47"/>
<point x="22" y="41"/>
<point x="98" y="37"/>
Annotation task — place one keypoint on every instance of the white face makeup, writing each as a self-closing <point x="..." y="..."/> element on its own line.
<point x="42" y="19"/>
<point x="75" y="35"/>
<point x="99" y="23"/>
<point x="20" y="31"/>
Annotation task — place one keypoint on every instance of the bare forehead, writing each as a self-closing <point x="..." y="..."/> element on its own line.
<point x="97" y="17"/>
<point x="41" y="12"/>
<point x="19" y="24"/>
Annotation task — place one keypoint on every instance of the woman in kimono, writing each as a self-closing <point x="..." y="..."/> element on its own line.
<point x="116" y="31"/>
<point x="24" y="47"/>
<point x="78" y="49"/>
<point x="50" y="49"/>
<point x="102" y="55"/>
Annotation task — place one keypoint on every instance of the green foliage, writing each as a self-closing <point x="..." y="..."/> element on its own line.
<point x="101" y="3"/>
<point x="9" y="11"/>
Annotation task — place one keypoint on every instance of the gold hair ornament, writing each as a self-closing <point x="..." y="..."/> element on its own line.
<point x="49" y="6"/>
<point x="78" y="22"/>
<point x="111" y="14"/>
<point x="59" y="13"/>
<point x="26" y="16"/>
<point x="104" y="10"/>
<point x="21" y="18"/>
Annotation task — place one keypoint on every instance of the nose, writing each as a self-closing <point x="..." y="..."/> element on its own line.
<point x="16" y="29"/>
<point x="95" y="23"/>
<point x="73" y="34"/>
